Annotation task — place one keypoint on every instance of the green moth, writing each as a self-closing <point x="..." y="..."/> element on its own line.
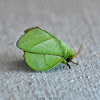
<point x="43" y="51"/>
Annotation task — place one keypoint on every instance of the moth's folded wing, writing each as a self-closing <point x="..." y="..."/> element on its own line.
<point x="41" y="62"/>
<point x="39" y="41"/>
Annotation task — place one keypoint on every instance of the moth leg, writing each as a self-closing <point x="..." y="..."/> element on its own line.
<point x="69" y="66"/>
<point x="74" y="62"/>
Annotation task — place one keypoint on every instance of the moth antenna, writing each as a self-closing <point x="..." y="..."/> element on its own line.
<point x="80" y="49"/>
<point x="75" y="53"/>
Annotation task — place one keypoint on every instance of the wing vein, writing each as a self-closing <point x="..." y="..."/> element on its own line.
<point x="44" y="54"/>
<point x="41" y="42"/>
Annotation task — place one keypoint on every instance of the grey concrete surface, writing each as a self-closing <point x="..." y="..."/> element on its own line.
<point x="73" y="21"/>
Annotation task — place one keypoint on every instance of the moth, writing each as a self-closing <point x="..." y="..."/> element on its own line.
<point x="43" y="51"/>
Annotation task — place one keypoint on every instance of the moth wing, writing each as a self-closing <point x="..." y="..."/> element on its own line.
<point x="41" y="62"/>
<point x="39" y="41"/>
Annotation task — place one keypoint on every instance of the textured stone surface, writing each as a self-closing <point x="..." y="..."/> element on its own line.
<point x="73" y="21"/>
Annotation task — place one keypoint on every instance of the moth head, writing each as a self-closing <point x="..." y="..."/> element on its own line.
<point x="75" y="54"/>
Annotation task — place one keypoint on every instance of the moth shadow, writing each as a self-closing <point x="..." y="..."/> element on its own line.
<point x="20" y="65"/>
<point x="59" y="67"/>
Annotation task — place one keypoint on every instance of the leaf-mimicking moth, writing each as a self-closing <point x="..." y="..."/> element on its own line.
<point x="43" y="51"/>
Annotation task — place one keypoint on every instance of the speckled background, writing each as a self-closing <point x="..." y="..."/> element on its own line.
<point x="73" y="21"/>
